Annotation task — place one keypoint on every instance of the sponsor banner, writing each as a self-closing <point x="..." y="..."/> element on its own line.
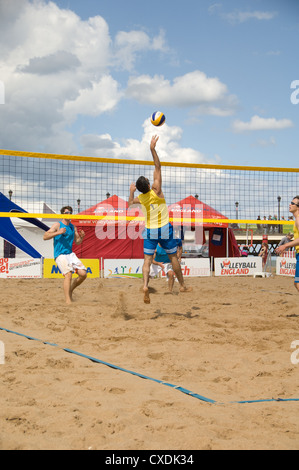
<point x="285" y="266"/>
<point x="123" y="268"/>
<point x="195" y="267"/>
<point x="132" y="268"/>
<point x="51" y="269"/>
<point x="20" y="269"/>
<point x="238" y="266"/>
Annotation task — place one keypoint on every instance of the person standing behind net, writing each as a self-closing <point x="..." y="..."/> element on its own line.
<point x="294" y="209"/>
<point x="158" y="228"/>
<point x="161" y="262"/>
<point x="64" y="234"/>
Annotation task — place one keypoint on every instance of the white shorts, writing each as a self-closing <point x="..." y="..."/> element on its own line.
<point x="69" y="263"/>
<point x="155" y="269"/>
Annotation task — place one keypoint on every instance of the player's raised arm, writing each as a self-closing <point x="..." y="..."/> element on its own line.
<point x="157" y="184"/>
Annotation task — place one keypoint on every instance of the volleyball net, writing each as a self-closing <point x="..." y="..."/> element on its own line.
<point x="43" y="183"/>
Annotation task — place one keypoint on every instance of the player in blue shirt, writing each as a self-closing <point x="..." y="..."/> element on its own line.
<point x="161" y="262"/>
<point x="64" y="234"/>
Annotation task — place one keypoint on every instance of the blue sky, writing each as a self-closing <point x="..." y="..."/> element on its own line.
<point x="82" y="78"/>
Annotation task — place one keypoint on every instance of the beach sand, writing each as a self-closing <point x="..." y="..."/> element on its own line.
<point x="229" y="340"/>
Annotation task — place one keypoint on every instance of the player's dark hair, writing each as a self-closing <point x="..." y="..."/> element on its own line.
<point x="142" y="185"/>
<point x="69" y="208"/>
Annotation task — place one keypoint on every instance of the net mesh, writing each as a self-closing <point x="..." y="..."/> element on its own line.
<point x="82" y="182"/>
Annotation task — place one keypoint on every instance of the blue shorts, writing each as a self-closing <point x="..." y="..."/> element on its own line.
<point x="163" y="235"/>
<point x="297" y="269"/>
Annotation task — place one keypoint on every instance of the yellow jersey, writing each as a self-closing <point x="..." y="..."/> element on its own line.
<point x="154" y="209"/>
<point x="296" y="235"/>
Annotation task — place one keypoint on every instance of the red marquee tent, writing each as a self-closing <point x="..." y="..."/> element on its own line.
<point x="109" y="238"/>
<point x="116" y="238"/>
<point x="190" y="212"/>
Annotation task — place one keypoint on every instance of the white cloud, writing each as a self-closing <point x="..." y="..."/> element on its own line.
<point x="51" y="64"/>
<point x="258" y="123"/>
<point x="128" y="44"/>
<point x="190" y="90"/>
<point x="265" y="142"/>
<point x="242" y="16"/>
<point x="101" y="97"/>
<point x="238" y="16"/>
<point x="168" y="147"/>
<point x="55" y="66"/>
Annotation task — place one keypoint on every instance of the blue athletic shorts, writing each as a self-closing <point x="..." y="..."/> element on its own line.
<point x="297" y="269"/>
<point x="163" y="235"/>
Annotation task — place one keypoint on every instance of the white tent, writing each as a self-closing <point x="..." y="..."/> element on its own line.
<point x="32" y="234"/>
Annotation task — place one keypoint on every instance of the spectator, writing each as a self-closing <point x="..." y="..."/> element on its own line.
<point x="265" y="227"/>
<point x="259" y="226"/>
<point x="286" y="240"/>
<point x="270" y="227"/>
<point x="244" y="251"/>
<point x="264" y="253"/>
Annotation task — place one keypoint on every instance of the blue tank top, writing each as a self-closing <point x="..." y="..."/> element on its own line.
<point x="161" y="255"/>
<point x="63" y="244"/>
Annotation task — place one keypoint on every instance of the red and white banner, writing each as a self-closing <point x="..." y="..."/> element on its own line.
<point x="286" y="264"/>
<point x="20" y="269"/>
<point x="238" y="266"/>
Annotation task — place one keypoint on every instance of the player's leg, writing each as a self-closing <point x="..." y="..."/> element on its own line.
<point x="148" y="259"/>
<point x="170" y="276"/>
<point x="178" y="272"/>
<point x="169" y="243"/>
<point x="67" y="287"/>
<point x="149" y="246"/>
<point x="82" y="275"/>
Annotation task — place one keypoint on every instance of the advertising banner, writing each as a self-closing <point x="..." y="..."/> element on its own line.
<point x="123" y="268"/>
<point x="20" y="269"/>
<point x="132" y="268"/>
<point x="286" y="265"/>
<point x="196" y="267"/>
<point x="238" y="266"/>
<point x="51" y="269"/>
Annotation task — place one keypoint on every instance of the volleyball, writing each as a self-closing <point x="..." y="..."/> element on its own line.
<point x="158" y="119"/>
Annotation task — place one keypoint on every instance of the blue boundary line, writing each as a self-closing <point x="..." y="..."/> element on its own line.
<point x="137" y="374"/>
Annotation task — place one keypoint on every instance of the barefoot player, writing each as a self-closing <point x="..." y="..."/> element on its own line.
<point x="294" y="209"/>
<point x="158" y="228"/>
<point x="64" y="234"/>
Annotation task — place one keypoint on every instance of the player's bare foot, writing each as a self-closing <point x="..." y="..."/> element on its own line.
<point x="186" y="289"/>
<point x="146" y="297"/>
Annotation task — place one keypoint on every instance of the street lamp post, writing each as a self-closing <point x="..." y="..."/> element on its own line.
<point x="237" y="210"/>
<point x="9" y="248"/>
<point x="279" y="201"/>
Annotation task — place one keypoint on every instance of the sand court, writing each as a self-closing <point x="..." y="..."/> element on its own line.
<point x="229" y="340"/>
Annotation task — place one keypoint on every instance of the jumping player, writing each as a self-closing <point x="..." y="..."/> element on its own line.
<point x="294" y="209"/>
<point x="64" y="234"/>
<point x="158" y="228"/>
